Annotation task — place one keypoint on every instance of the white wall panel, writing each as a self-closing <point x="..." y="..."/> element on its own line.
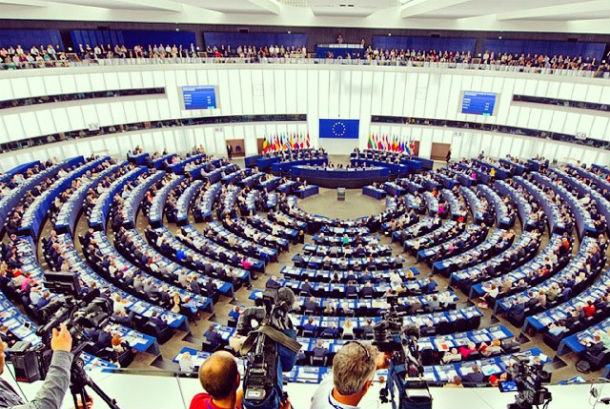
<point x="387" y="93"/>
<point x="584" y="125"/>
<point x="534" y="118"/>
<point x="269" y="91"/>
<point x="60" y="118"/>
<point x="246" y="91"/>
<point x="598" y="128"/>
<point x="125" y="80"/>
<point x="148" y="80"/>
<point x="398" y="101"/>
<point x="559" y="118"/>
<point x="104" y="115"/>
<point x="45" y="122"/>
<point x="553" y="89"/>
<point x="318" y="91"/>
<point x="30" y="124"/>
<point x="445" y="88"/>
<point x="432" y="98"/>
<point x="4" y="137"/>
<point x="136" y="80"/>
<point x="117" y="113"/>
<point x="20" y="88"/>
<point x="605" y="96"/>
<point x="580" y="92"/>
<point x="505" y="99"/>
<point x="90" y="116"/>
<point x="291" y="91"/>
<point x="68" y="84"/>
<point x="421" y="94"/>
<point x="566" y="90"/>
<point x="36" y="86"/>
<point x="377" y="93"/>
<point x="515" y="148"/>
<point x="111" y="79"/>
<point x="571" y="123"/>
<point x="6" y="91"/>
<point x="14" y="128"/>
<point x="358" y="89"/>
<point x="97" y="82"/>
<point x="112" y="146"/>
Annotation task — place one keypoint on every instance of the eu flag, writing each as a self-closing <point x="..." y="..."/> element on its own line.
<point x="339" y="128"/>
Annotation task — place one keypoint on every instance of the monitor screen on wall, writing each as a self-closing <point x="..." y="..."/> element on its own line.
<point x="199" y="97"/>
<point x="479" y="103"/>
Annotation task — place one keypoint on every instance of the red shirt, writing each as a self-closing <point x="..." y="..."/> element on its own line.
<point x="203" y="401"/>
<point x="589" y="310"/>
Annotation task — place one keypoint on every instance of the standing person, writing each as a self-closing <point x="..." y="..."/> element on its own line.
<point x="354" y="368"/>
<point x="229" y="150"/>
<point x="448" y="157"/>
<point x="56" y="383"/>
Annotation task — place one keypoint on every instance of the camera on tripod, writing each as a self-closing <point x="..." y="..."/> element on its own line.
<point x="79" y="312"/>
<point x="406" y="371"/>
<point x="527" y="381"/>
<point x="266" y="327"/>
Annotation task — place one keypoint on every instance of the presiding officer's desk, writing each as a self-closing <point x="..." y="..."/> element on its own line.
<point x="337" y="177"/>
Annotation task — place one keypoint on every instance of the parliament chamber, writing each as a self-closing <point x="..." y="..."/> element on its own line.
<point x="456" y="185"/>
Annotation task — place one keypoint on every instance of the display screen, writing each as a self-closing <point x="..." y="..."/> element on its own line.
<point x="199" y="97"/>
<point x="508" y="386"/>
<point x="479" y="103"/>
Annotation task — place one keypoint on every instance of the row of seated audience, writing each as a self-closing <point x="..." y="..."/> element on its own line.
<point x="46" y="56"/>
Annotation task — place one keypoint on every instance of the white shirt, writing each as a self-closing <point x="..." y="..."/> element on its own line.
<point x="323" y="398"/>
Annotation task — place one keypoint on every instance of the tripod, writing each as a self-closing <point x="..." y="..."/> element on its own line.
<point x="79" y="379"/>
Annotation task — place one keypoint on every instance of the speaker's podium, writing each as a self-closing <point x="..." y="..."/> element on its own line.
<point x="341" y="193"/>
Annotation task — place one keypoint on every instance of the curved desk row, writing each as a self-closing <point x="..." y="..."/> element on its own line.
<point x="333" y="177"/>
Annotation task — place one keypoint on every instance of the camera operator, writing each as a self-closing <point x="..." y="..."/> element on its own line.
<point x="57" y="381"/>
<point x="354" y="367"/>
<point x="270" y="348"/>
<point x="220" y="379"/>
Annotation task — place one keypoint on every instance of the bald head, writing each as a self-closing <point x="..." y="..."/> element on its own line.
<point x="218" y="375"/>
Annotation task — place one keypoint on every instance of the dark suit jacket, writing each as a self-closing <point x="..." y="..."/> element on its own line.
<point x="473" y="378"/>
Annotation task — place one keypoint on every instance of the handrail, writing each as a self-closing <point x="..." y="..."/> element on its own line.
<point x="600" y="73"/>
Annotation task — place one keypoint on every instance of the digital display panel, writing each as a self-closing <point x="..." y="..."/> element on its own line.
<point x="479" y="103"/>
<point x="199" y="97"/>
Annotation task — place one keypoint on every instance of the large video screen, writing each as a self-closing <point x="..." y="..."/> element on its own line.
<point x="479" y="103"/>
<point x="199" y="97"/>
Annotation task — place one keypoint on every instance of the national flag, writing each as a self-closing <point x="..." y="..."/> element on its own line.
<point x="408" y="150"/>
<point x="307" y="140"/>
<point x="369" y="144"/>
<point x="412" y="147"/>
<point x="265" y="145"/>
<point x="295" y="142"/>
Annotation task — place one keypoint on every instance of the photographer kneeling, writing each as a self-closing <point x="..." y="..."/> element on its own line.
<point x="354" y="367"/>
<point x="56" y="383"/>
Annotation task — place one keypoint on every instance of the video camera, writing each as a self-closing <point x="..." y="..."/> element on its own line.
<point x="527" y="381"/>
<point x="406" y="371"/>
<point x="31" y="362"/>
<point x="264" y="326"/>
